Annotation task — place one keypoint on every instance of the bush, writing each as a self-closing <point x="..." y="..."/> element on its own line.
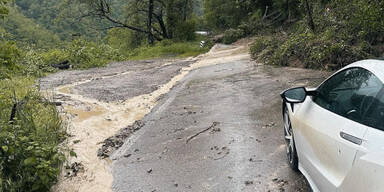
<point x="361" y="18"/>
<point x="53" y="56"/>
<point x="321" y="51"/>
<point x="259" y="45"/>
<point x="168" y="48"/>
<point x="9" y="57"/>
<point x="124" y="39"/>
<point x="82" y="54"/>
<point x="232" y="35"/>
<point x="30" y="155"/>
<point x="38" y="63"/>
<point x="185" y="31"/>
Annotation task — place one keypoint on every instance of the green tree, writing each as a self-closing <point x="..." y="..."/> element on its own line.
<point x="26" y="32"/>
<point x="62" y="17"/>
<point x="3" y="8"/>
<point x="154" y="18"/>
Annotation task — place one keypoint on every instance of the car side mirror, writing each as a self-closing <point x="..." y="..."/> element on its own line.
<point x="294" y="95"/>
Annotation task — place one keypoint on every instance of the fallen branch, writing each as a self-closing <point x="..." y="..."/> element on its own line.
<point x="15" y="107"/>
<point x="222" y="156"/>
<point x="205" y="130"/>
<point x="62" y="65"/>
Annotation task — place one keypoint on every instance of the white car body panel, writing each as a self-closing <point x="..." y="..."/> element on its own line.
<point x="329" y="162"/>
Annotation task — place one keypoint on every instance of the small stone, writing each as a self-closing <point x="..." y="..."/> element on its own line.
<point x="249" y="183"/>
<point x="275" y="179"/>
<point x="149" y="171"/>
<point x="127" y="155"/>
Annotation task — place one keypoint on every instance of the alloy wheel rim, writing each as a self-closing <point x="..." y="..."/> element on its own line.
<point x="288" y="137"/>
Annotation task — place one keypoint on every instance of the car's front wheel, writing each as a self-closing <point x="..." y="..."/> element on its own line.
<point x="289" y="141"/>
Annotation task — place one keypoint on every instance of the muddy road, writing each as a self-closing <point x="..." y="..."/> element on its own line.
<point x="211" y="123"/>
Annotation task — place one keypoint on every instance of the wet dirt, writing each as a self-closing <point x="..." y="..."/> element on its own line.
<point x="140" y="114"/>
<point x="92" y="119"/>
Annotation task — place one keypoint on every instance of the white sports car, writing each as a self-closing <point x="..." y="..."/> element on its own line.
<point x="335" y="133"/>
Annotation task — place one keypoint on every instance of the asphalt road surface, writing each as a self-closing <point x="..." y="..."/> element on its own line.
<point x="218" y="129"/>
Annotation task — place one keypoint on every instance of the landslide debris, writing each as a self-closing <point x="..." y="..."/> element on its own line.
<point x="113" y="143"/>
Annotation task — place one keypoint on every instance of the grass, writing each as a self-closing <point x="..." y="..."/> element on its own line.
<point x="30" y="156"/>
<point x="167" y="49"/>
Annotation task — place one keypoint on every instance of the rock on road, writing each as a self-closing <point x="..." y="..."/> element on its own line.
<point x="212" y="123"/>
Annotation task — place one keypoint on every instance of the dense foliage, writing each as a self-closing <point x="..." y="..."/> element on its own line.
<point x="169" y="48"/>
<point x="148" y="20"/>
<point x="30" y="134"/>
<point x="30" y="127"/>
<point x="3" y="9"/>
<point x="61" y="17"/>
<point x="306" y="33"/>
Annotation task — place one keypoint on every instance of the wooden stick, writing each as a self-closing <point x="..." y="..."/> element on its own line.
<point x="197" y="134"/>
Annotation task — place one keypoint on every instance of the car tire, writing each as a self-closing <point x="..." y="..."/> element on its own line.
<point x="292" y="159"/>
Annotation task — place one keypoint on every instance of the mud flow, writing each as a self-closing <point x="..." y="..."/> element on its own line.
<point x="98" y="103"/>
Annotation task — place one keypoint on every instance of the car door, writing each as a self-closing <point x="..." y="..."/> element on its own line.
<point x="328" y="132"/>
<point x="368" y="169"/>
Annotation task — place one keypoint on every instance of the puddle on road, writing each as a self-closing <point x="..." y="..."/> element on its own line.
<point x="83" y="114"/>
<point x="94" y="121"/>
<point x="65" y="90"/>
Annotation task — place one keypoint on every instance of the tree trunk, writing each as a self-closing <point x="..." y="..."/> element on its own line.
<point x="163" y="28"/>
<point x="171" y="17"/>
<point x="288" y="10"/>
<point x="150" y="15"/>
<point x="311" y="24"/>
<point x="185" y="10"/>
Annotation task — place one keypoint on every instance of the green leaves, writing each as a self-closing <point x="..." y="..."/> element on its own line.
<point x="29" y="153"/>
<point x="3" y="8"/>
<point x="30" y="161"/>
<point x="4" y="148"/>
<point x="72" y="154"/>
<point x="83" y="54"/>
<point x="9" y="54"/>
